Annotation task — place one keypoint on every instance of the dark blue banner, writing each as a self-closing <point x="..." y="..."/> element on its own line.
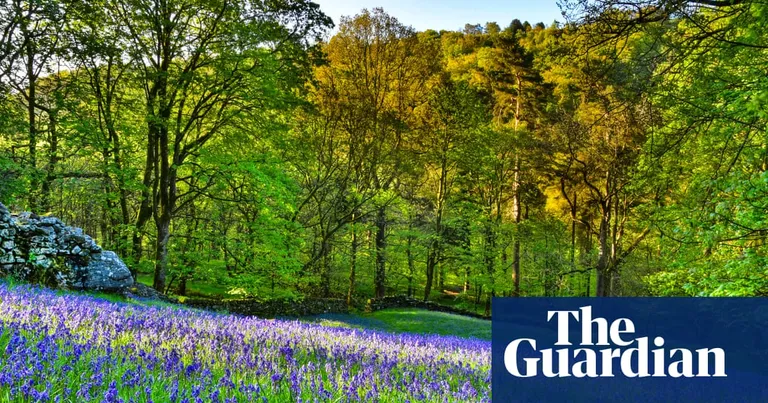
<point x="630" y="350"/>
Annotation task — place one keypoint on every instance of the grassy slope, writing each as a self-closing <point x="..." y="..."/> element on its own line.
<point x="403" y="320"/>
<point x="398" y="320"/>
<point x="411" y="320"/>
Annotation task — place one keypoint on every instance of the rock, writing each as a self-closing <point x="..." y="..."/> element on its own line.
<point x="105" y="271"/>
<point x="43" y="262"/>
<point x="142" y="292"/>
<point x="5" y="215"/>
<point x="45" y="250"/>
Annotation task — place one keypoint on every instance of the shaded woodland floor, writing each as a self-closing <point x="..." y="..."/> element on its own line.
<point x="410" y="320"/>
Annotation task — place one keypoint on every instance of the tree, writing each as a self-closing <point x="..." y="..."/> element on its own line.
<point x="502" y="65"/>
<point x="601" y="126"/>
<point x="201" y="65"/>
<point x="30" y="42"/>
<point x="706" y="158"/>
<point x="377" y="74"/>
<point x="454" y="114"/>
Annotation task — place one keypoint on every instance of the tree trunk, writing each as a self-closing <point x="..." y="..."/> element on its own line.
<point x="161" y="252"/>
<point x="490" y="250"/>
<point x="166" y="169"/>
<point x="468" y="269"/>
<point x="50" y="169"/>
<point x="32" y="88"/>
<point x="107" y="223"/>
<point x="381" y="246"/>
<point x="411" y="268"/>
<point x="586" y="246"/>
<point x="431" y="261"/>
<point x="104" y="100"/>
<point x="573" y="230"/>
<point x="124" y="238"/>
<point x="466" y="279"/>
<point x="145" y="207"/>
<point x="166" y="204"/>
<point x="433" y="255"/>
<point x="516" y="196"/>
<point x="352" y="263"/>
<point x="603" y="260"/>
<point x="516" y="266"/>
<point x="181" y="289"/>
<point x="325" y="269"/>
<point x="440" y="275"/>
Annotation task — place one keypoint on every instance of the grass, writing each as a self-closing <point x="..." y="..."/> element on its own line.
<point x="402" y="320"/>
<point x="117" y="298"/>
<point x="410" y="320"/>
<point x="396" y="320"/>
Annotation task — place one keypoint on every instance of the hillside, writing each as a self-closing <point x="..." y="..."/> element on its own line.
<point x="86" y="349"/>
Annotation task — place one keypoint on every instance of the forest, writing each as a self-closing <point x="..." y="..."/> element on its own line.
<point x="258" y="148"/>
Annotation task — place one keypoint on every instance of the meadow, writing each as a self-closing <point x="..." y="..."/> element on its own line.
<point x="410" y="320"/>
<point x="60" y="347"/>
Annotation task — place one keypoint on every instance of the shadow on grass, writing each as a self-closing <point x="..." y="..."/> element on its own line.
<point x="410" y="320"/>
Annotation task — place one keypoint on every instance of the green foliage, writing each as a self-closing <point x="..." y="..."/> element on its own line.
<point x="11" y="180"/>
<point x="250" y="158"/>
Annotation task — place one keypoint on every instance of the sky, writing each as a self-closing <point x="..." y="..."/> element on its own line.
<point x="449" y="14"/>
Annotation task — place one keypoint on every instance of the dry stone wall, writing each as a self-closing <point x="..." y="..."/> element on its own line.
<point x="401" y="301"/>
<point x="43" y="250"/>
<point x="271" y="309"/>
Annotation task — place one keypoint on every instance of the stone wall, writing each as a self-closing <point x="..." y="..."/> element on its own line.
<point x="43" y="250"/>
<point x="401" y="301"/>
<point x="270" y="309"/>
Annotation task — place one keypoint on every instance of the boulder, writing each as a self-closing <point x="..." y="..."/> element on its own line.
<point x="104" y="271"/>
<point x="44" y="250"/>
<point x="142" y="292"/>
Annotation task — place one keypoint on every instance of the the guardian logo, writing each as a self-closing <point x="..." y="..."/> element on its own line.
<point x="630" y="358"/>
